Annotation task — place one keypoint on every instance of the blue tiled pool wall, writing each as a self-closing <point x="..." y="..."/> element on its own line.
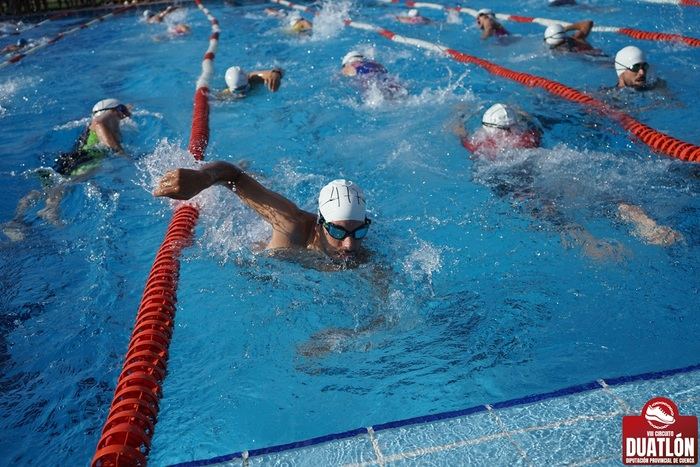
<point x="638" y="399"/>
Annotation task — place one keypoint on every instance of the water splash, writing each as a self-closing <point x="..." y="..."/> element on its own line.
<point x="80" y="123"/>
<point x="453" y="17"/>
<point x="229" y="226"/>
<point x="11" y="87"/>
<point x="328" y="23"/>
<point x="423" y="262"/>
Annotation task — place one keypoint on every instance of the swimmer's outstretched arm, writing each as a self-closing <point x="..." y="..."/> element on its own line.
<point x="272" y="78"/>
<point x="582" y="28"/>
<point x="284" y="216"/>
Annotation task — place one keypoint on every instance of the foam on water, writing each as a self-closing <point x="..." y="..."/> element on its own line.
<point x="328" y="23"/>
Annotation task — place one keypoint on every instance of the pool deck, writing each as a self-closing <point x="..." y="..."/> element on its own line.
<point x="580" y="425"/>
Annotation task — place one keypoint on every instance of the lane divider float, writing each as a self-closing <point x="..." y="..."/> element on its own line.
<point x="631" y="32"/>
<point x="32" y="49"/>
<point x="675" y="2"/>
<point x="126" y="436"/>
<point x="294" y="6"/>
<point x="656" y="140"/>
<point x="35" y="25"/>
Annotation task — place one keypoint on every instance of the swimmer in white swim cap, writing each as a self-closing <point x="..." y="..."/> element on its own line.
<point x="101" y="137"/>
<point x="631" y="66"/>
<point x="502" y="128"/>
<point x="239" y="82"/>
<point x="486" y="20"/>
<point x="556" y="38"/>
<point x="412" y="17"/>
<point x="337" y="229"/>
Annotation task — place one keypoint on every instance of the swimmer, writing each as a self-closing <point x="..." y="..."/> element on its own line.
<point x="337" y="230"/>
<point x="179" y="29"/>
<point x="158" y="17"/>
<point x="240" y="82"/>
<point x="486" y="20"/>
<point x="556" y="38"/>
<point x="299" y="24"/>
<point x="16" y="47"/>
<point x="505" y="129"/>
<point x="501" y="128"/>
<point x="369" y="73"/>
<point x="412" y="17"/>
<point x="355" y="64"/>
<point x="631" y="67"/>
<point x="100" y="137"/>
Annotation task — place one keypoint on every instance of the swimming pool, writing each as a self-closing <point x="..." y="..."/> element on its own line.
<point x="468" y="298"/>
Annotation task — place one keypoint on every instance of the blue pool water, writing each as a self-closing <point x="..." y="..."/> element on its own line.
<point x="468" y="298"/>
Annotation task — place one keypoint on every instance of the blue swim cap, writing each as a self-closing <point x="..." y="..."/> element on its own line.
<point x="22" y="42"/>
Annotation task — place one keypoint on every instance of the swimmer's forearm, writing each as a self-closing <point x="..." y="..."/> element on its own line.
<point x="584" y="27"/>
<point x="280" y="212"/>
<point x="223" y="173"/>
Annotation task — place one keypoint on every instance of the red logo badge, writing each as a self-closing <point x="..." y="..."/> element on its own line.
<point x="660" y="435"/>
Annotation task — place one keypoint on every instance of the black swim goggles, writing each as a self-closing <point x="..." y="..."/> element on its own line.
<point x="340" y="233"/>
<point x="493" y="125"/>
<point x="636" y="67"/>
<point x="121" y="108"/>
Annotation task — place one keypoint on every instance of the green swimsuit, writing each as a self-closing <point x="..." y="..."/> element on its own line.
<point x="83" y="159"/>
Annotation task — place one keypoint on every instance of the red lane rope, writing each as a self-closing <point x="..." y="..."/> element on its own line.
<point x="656" y="140"/>
<point x="659" y="36"/>
<point x="126" y="436"/>
<point x="634" y="33"/>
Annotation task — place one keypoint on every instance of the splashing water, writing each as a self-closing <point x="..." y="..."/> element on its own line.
<point x="329" y="21"/>
<point x="453" y="17"/>
<point x="229" y="227"/>
<point x="80" y="123"/>
<point x="423" y="262"/>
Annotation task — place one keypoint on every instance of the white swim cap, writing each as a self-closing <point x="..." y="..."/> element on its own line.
<point x="412" y="12"/>
<point x="554" y="34"/>
<point x="485" y="11"/>
<point x="499" y="116"/>
<point x="342" y="200"/>
<point x="146" y="13"/>
<point x="627" y="58"/>
<point x="352" y="56"/>
<point x="236" y="78"/>
<point x="105" y="104"/>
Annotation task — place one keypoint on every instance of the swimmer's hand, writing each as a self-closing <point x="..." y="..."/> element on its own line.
<point x="183" y="183"/>
<point x="273" y="79"/>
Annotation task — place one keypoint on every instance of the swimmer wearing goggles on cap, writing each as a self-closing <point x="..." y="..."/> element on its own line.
<point x="99" y="137"/>
<point x="556" y="38"/>
<point x="336" y="230"/>
<point x="239" y="82"/>
<point x="631" y="67"/>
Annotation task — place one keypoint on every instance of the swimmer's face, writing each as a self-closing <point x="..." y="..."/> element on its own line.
<point x="345" y="249"/>
<point x="635" y="79"/>
<point x="481" y="20"/>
